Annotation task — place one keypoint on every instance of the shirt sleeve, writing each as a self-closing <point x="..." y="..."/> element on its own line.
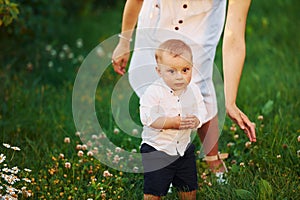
<point x="150" y="109"/>
<point x="199" y="106"/>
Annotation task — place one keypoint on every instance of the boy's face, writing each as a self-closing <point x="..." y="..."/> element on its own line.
<point x="175" y="71"/>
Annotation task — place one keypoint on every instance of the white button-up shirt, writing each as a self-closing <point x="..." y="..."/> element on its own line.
<point x="159" y="101"/>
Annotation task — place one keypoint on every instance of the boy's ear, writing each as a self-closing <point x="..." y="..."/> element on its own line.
<point x="158" y="70"/>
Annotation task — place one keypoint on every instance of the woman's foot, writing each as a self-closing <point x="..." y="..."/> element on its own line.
<point x="217" y="166"/>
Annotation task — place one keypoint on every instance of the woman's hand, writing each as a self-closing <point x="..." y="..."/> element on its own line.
<point x="120" y="57"/>
<point x="242" y="121"/>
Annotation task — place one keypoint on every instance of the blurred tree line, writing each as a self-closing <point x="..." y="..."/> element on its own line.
<point x="27" y="26"/>
<point x="28" y="19"/>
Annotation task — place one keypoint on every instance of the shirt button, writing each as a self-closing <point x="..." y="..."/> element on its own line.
<point x="177" y="142"/>
<point x="184" y="6"/>
<point x="176" y="28"/>
<point x="180" y="21"/>
<point x="179" y="114"/>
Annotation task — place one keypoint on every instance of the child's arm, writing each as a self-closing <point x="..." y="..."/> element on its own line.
<point x="189" y="122"/>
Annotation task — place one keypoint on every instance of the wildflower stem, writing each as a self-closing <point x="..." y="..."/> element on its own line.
<point x="12" y="156"/>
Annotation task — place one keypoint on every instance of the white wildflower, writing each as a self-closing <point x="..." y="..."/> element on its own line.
<point x="135" y="131"/>
<point x="106" y="173"/>
<point x="16" y="148"/>
<point x="67" y="165"/>
<point x="80" y="153"/>
<point x="116" y="131"/>
<point x="2" y="158"/>
<point x="118" y="149"/>
<point x="6" y="145"/>
<point x="79" y="43"/>
<point x="100" y="51"/>
<point x="26" y="180"/>
<point x="27" y="170"/>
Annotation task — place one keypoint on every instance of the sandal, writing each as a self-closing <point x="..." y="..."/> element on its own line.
<point x="221" y="157"/>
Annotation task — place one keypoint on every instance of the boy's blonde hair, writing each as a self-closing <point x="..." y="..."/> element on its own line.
<point x="174" y="47"/>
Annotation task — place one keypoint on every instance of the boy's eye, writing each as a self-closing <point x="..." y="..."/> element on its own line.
<point x="171" y="71"/>
<point x="186" y="69"/>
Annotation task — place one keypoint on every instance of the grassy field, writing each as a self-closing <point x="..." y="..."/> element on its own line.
<point x="36" y="116"/>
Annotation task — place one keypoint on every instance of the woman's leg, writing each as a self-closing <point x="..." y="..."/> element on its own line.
<point x="209" y="136"/>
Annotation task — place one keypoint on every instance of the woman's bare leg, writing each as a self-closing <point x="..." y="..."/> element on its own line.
<point x="209" y="136"/>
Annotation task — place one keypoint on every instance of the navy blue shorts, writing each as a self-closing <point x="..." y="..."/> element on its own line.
<point x="178" y="170"/>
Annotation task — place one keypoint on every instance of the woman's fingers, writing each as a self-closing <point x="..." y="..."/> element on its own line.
<point x="119" y="66"/>
<point x="250" y="127"/>
<point x="243" y="122"/>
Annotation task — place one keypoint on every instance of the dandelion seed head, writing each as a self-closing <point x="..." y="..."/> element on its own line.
<point x="62" y="55"/>
<point x="84" y="147"/>
<point x="90" y="153"/>
<point x="77" y="133"/>
<point x="78" y="147"/>
<point x="79" y="42"/>
<point x="70" y="55"/>
<point x="135" y="169"/>
<point x="133" y="151"/>
<point x="102" y="135"/>
<point x="89" y="143"/>
<point x="80" y="153"/>
<point x="94" y="137"/>
<point x="116" y="131"/>
<point x="230" y="144"/>
<point x="48" y="47"/>
<point x="106" y="173"/>
<point x="67" y="140"/>
<point x="118" y="149"/>
<point x="100" y="52"/>
<point x="66" y="47"/>
<point x="134" y="131"/>
<point x="68" y="165"/>
<point x="278" y="156"/>
<point x="233" y="128"/>
<point x="61" y="156"/>
<point x="80" y="58"/>
<point x="260" y="117"/>
<point x="248" y="144"/>
<point x="53" y="52"/>
<point x="50" y="64"/>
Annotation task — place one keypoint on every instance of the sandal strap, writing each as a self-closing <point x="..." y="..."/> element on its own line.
<point x="219" y="156"/>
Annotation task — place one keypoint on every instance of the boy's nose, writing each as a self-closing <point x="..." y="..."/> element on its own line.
<point x="178" y="75"/>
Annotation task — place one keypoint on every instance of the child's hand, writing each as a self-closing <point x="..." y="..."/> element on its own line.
<point x="189" y="122"/>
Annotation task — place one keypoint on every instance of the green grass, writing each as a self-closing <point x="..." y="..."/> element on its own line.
<point x="36" y="115"/>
